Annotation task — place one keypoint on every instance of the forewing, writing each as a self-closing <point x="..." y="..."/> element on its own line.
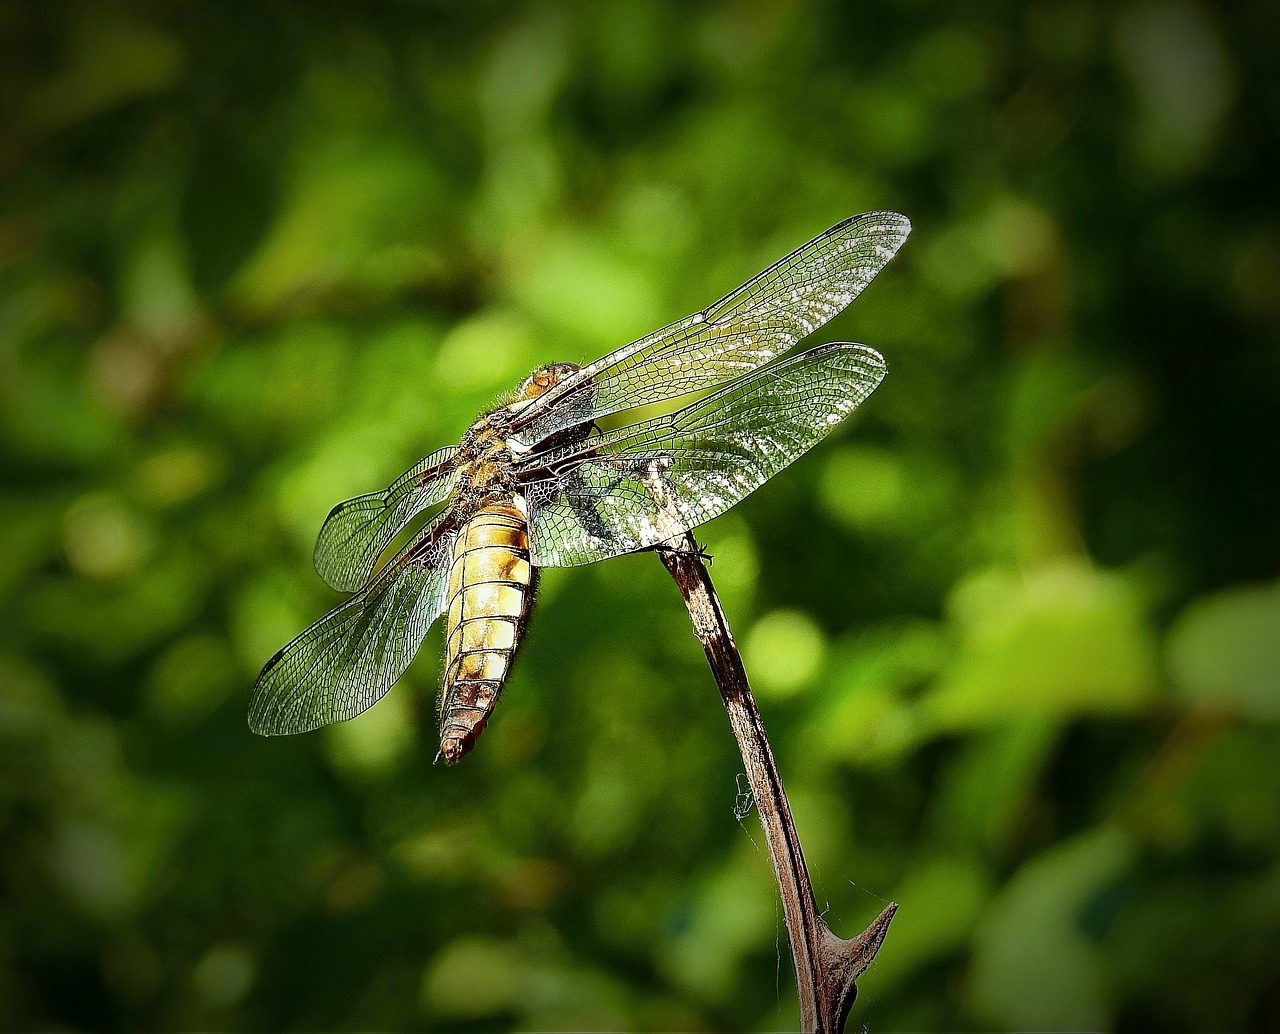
<point x="744" y="330"/>
<point x="347" y="660"/>
<point x="642" y="485"/>
<point x="357" y="532"/>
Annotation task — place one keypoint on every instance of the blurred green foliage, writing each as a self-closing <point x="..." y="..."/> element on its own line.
<point x="1015" y="630"/>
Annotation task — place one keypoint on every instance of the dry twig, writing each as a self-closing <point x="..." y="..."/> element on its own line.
<point x="827" y="966"/>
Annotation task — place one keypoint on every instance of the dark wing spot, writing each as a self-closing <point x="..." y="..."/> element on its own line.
<point x="275" y="659"/>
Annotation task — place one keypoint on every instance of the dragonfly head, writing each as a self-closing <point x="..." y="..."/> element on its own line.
<point x="543" y="379"/>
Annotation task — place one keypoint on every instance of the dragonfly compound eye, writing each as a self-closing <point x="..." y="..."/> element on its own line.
<point x="545" y="378"/>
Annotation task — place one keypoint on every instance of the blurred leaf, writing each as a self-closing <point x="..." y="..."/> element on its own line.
<point x="354" y="221"/>
<point x="472" y="977"/>
<point x="866" y="716"/>
<point x="1231" y="798"/>
<point x="110" y="622"/>
<point x="30" y="707"/>
<point x="28" y="531"/>
<point x="1060" y="640"/>
<point x="576" y="283"/>
<point x="192" y="677"/>
<point x="1224" y="651"/>
<point x="1182" y="79"/>
<point x="732" y="912"/>
<point x="225" y="975"/>
<point x="1032" y="938"/>
<point x="476" y="977"/>
<point x="113" y="59"/>
<point x="991" y="783"/>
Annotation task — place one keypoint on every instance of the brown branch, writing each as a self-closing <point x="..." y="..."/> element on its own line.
<point x="827" y="966"/>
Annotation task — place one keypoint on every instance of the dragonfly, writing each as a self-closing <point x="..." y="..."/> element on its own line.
<point x="534" y="482"/>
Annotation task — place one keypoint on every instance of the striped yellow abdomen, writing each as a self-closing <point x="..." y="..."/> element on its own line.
<point x="490" y="588"/>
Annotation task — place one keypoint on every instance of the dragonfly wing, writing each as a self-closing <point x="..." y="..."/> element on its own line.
<point x="638" y="486"/>
<point x="347" y="660"/>
<point x="357" y="532"/>
<point x="744" y="330"/>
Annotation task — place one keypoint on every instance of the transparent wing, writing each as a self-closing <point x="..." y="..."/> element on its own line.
<point x="346" y="661"/>
<point x="747" y="328"/>
<point x="641" y="485"/>
<point x="357" y="532"/>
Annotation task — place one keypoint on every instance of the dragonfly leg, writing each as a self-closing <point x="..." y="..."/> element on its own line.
<point x="677" y="547"/>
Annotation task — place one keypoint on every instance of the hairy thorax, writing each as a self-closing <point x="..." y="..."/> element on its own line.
<point x="485" y="474"/>
<point x="485" y="460"/>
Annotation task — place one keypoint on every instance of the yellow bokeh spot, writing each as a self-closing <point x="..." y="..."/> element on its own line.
<point x="783" y="652"/>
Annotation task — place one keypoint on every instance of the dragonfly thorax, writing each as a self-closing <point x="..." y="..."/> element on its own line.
<point x="486" y="455"/>
<point x="485" y="472"/>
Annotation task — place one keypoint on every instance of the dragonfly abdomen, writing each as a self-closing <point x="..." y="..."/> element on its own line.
<point x="490" y="589"/>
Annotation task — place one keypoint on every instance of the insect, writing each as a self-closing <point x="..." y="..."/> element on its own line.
<point x="534" y="483"/>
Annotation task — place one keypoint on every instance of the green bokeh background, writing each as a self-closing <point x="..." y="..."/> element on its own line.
<point x="1014" y="629"/>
